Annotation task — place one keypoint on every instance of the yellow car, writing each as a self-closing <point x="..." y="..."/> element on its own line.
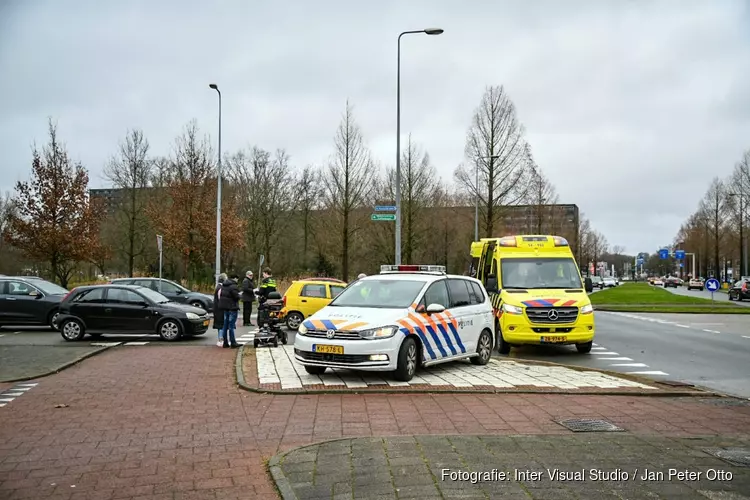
<point x="306" y="297"/>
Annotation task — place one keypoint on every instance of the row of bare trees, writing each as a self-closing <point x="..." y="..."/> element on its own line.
<point x="314" y="220"/>
<point x="717" y="232"/>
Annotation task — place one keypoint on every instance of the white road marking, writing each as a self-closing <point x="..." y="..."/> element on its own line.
<point x="607" y="353"/>
<point x="648" y="373"/>
<point x="136" y="343"/>
<point x="745" y="337"/>
<point x="634" y="365"/>
<point x="105" y="344"/>
<point x="598" y="348"/>
<point x="710" y="331"/>
<point x="681" y="326"/>
<point x="7" y="400"/>
<point x="30" y="384"/>
<point x="22" y="388"/>
<point x="2" y="404"/>
<point x="14" y="394"/>
<point x="615" y="359"/>
<point x="2" y="335"/>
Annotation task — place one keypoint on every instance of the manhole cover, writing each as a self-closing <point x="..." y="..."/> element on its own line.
<point x="588" y="425"/>
<point x="726" y="402"/>
<point x="735" y="456"/>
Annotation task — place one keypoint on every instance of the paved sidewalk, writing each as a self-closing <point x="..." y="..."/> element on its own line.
<point x="277" y="369"/>
<point x="169" y="422"/>
<point x="25" y="361"/>
<point x="512" y="467"/>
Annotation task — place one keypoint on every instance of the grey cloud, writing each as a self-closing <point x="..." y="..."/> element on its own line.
<point x="624" y="103"/>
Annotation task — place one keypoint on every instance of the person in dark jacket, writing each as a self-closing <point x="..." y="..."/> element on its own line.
<point x="248" y="296"/>
<point x="218" y="313"/>
<point x="230" y="304"/>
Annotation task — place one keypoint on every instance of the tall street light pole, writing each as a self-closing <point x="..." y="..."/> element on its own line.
<point x="428" y="31"/>
<point x="218" y="195"/>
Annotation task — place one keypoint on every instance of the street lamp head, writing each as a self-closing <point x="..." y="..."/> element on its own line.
<point x="213" y="86"/>
<point x="434" y="31"/>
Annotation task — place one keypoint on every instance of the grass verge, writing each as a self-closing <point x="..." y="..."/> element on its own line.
<point x="642" y="297"/>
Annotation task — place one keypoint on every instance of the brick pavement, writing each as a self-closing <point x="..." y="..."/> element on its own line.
<point x="168" y="422"/>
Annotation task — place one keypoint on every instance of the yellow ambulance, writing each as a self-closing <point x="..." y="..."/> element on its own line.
<point x="536" y="290"/>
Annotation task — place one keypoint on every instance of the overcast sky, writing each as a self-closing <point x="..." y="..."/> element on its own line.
<point x="631" y="107"/>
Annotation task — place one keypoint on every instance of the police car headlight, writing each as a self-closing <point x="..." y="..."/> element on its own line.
<point x="587" y="309"/>
<point x="302" y="329"/>
<point x="192" y="316"/>
<point x="379" y="333"/>
<point x="512" y="309"/>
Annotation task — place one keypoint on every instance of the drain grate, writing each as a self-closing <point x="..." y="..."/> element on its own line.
<point x="725" y="401"/>
<point x="588" y="425"/>
<point x="735" y="456"/>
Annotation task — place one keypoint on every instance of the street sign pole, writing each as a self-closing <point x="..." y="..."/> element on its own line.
<point x="160" y="244"/>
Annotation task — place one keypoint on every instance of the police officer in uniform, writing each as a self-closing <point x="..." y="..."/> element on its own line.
<point x="267" y="286"/>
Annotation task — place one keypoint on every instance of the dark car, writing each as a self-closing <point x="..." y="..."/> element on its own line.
<point x="740" y="290"/>
<point x="119" y="309"/>
<point x="672" y="282"/>
<point x="29" y="300"/>
<point x="171" y="290"/>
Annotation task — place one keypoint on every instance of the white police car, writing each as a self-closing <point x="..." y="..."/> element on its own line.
<point x="402" y="318"/>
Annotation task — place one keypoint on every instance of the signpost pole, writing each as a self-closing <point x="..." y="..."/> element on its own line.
<point x="160" y="244"/>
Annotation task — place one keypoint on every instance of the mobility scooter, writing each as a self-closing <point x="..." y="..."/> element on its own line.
<point x="269" y="324"/>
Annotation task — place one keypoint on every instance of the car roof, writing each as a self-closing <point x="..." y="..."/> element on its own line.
<point x="112" y="285"/>
<point x="318" y="281"/>
<point x="416" y="276"/>
<point x="138" y="278"/>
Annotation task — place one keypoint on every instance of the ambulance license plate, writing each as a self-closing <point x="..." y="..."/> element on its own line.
<point x="328" y="349"/>
<point x="554" y="339"/>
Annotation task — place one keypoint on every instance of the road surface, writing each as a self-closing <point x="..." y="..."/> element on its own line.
<point x="707" y="350"/>
<point x="720" y="297"/>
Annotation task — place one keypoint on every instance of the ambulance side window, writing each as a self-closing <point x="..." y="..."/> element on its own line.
<point x="437" y="293"/>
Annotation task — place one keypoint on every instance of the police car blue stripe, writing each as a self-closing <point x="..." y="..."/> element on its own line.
<point x="328" y="324"/>
<point x="457" y="337"/>
<point x="447" y="339"/>
<point x="308" y="325"/>
<point x="427" y="345"/>
<point x="437" y="340"/>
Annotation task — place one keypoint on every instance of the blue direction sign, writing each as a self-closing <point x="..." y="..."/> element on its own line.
<point x="712" y="285"/>
<point x="663" y="253"/>
<point x="640" y="261"/>
<point x="679" y="254"/>
<point x="385" y="208"/>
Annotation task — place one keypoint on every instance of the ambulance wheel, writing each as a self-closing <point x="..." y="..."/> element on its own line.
<point x="315" y="370"/>
<point x="584" y="348"/>
<point x="407" y="360"/>
<point x="502" y="346"/>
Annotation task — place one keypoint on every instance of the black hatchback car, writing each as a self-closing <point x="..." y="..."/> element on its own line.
<point x="121" y="309"/>
<point x="171" y="290"/>
<point x="29" y="300"/>
<point x="740" y="290"/>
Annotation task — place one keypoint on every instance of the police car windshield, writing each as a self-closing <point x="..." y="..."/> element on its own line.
<point x="536" y="273"/>
<point x="379" y="293"/>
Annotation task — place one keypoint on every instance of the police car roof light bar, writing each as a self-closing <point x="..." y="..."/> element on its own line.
<point x="412" y="269"/>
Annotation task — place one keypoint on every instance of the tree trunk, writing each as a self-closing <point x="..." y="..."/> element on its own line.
<point x="345" y="247"/>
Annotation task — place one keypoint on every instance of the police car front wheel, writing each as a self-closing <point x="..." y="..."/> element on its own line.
<point x="315" y="370"/>
<point x="407" y="360"/>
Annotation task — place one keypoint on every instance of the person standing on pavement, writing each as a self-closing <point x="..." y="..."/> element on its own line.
<point x="248" y="296"/>
<point x="267" y="286"/>
<point x="230" y="303"/>
<point x="218" y="312"/>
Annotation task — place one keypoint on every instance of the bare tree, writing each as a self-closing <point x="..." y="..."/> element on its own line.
<point x="308" y="193"/>
<point x="418" y="185"/>
<point x="540" y="194"/>
<point x="618" y="250"/>
<point x="348" y="181"/>
<point x="494" y="146"/>
<point x="714" y="205"/>
<point x="130" y="171"/>
<point x="265" y="189"/>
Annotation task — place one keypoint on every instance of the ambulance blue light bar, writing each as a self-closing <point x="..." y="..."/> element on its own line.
<point x="411" y="269"/>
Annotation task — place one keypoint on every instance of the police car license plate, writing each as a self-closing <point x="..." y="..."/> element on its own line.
<point x="554" y="339"/>
<point x="205" y="323"/>
<point x="328" y="349"/>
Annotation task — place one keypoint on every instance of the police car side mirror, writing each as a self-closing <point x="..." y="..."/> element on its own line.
<point x="435" y="308"/>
